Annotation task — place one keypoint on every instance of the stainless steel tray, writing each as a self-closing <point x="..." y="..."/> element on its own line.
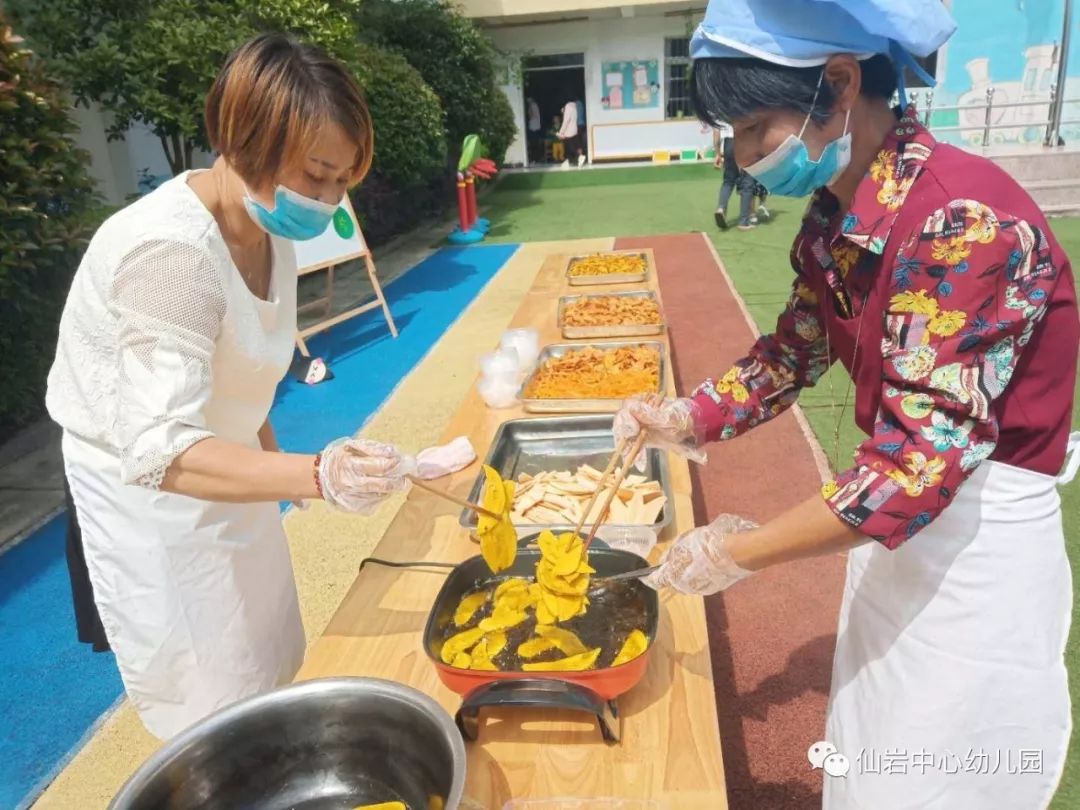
<point x="554" y="443"/>
<point x="624" y="330"/>
<point x="598" y="405"/>
<point x="610" y="278"/>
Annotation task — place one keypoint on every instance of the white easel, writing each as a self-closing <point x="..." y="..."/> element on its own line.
<point x="338" y="243"/>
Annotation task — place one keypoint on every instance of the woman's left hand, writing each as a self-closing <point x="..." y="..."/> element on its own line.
<point x="699" y="562"/>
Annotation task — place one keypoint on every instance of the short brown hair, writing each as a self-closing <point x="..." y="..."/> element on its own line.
<point x="271" y="98"/>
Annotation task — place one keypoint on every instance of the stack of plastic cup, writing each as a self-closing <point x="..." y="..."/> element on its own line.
<point x="500" y="377"/>
<point x="526" y="342"/>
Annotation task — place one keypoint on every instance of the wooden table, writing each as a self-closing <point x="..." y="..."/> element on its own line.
<point x="670" y="750"/>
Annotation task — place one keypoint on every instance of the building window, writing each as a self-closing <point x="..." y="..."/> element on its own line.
<point x="927" y="63"/>
<point x="677" y="76"/>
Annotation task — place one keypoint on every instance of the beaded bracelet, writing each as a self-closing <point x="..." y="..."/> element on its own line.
<point x="318" y="478"/>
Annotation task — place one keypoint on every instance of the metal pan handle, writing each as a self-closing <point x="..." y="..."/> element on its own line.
<point x="538" y="692"/>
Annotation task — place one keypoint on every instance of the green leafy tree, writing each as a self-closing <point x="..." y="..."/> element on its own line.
<point x="142" y="61"/>
<point x="47" y="203"/>
<point x="410" y="140"/>
<point x="152" y="61"/>
<point x="455" y="57"/>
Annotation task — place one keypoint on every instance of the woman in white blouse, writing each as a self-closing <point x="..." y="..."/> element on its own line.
<point x="178" y="328"/>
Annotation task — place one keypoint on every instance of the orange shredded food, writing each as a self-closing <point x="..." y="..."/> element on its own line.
<point x="592" y="373"/>
<point x="611" y="310"/>
<point x="603" y="264"/>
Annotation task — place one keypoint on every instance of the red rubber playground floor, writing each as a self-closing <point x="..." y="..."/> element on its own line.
<point x="771" y="636"/>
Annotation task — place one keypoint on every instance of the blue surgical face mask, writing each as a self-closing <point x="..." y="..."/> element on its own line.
<point x="293" y="216"/>
<point x="789" y="171"/>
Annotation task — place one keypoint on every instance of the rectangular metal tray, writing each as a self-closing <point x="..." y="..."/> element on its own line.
<point x="598" y="405"/>
<point x="624" y="330"/>
<point x="610" y="278"/>
<point x="553" y="443"/>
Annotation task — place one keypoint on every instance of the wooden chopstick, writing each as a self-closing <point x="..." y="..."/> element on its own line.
<point x="619" y="447"/>
<point x="475" y="507"/>
<point x="628" y="462"/>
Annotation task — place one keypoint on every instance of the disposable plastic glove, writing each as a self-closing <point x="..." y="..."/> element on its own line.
<point x="669" y="424"/>
<point x="356" y="475"/>
<point x="699" y="562"/>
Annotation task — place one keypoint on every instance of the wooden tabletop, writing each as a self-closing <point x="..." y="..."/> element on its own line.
<point x="670" y="749"/>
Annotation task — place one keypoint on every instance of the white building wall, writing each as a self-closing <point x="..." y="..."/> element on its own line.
<point x="602" y="40"/>
<point x="116" y="165"/>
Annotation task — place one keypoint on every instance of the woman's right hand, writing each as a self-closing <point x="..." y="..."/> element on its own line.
<point x="356" y="475"/>
<point x="668" y="424"/>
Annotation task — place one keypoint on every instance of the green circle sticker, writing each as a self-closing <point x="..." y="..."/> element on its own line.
<point x="343" y="223"/>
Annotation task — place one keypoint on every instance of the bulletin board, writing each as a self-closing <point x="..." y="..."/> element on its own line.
<point x="630" y="85"/>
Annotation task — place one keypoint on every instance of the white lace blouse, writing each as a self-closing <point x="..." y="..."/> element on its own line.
<point x="161" y="343"/>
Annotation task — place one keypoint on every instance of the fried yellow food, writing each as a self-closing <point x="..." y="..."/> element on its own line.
<point x="498" y="538"/>
<point x="515" y="594"/>
<point x="561" y="498"/>
<point x="481" y="653"/>
<point x="534" y="647"/>
<point x="562" y="595"/>
<point x="549" y="637"/>
<point x="592" y="373"/>
<point x="567" y="642"/>
<point x="572" y="663"/>
<point x="460" y="643"/>
<point x="635" y="644"/>
<point x="382" y="806"/>
<point x="485" y="650"/>
<point x="468" y="606"/>
<point x="502" y="618"/>
<point x="605" y="264"/>
<point x="611" y="310"/>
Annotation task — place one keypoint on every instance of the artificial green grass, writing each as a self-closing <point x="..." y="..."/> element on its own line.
<point x="676" y="199"/>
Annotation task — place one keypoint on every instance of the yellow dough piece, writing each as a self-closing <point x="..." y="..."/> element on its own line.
<point x="636" y="643"/>
<point x="498" y="538"/>
<point x="502" y="618"/>
<point x="494" y="497"/>
<point x="534" y="647"/>
<point x="468" y="606"/>
<point x="515" y="594"/>
<point x="572" y="663"/>
<point x="567" y="642"/>
<point x="460" y="643"/>
<point x="488" y="647"/>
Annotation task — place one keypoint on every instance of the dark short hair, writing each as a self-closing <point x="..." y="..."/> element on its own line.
<point x="271" y="99"/>
<point x="724" y="90"/>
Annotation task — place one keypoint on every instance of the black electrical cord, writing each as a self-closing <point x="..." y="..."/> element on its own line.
<point x="414" y="564"/>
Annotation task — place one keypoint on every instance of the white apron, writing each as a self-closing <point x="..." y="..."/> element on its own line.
<point x="198" y="599"/>
<point x="949" y="688"/>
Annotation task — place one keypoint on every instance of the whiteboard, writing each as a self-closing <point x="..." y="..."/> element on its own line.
<point x="342" y="240"/>
<point x="641" y="139"/>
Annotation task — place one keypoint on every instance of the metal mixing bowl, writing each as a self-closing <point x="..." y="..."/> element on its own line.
<point x="330" y="744"/>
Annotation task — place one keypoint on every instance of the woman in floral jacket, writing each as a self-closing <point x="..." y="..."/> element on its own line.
<point x="935" y="280"/>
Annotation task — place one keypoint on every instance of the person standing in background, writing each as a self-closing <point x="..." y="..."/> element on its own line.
<point x="582" y="131"/>
<point x="570" y="135"/>
<point x="734" y="178"/>
<point x="558" y="149"/>
<point x="534" y="137"/>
